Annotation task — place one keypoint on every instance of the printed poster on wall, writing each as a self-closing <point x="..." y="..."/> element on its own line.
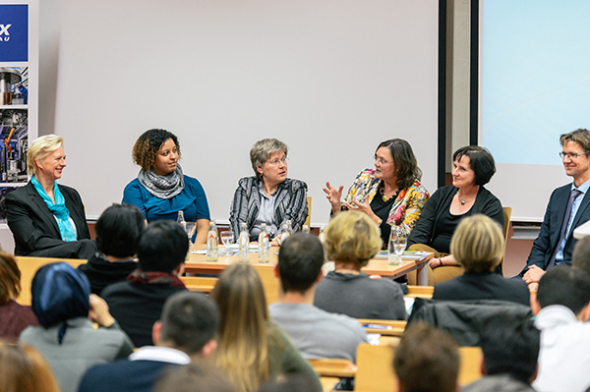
<point x="19" y="92"/>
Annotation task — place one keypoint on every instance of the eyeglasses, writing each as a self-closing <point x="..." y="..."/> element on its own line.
<point x="570" y="155"/>
<point x="275" y="162"/>
<point x="381" y="161"/>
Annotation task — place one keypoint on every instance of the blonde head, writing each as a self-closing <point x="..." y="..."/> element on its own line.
<point x="352" y="237"/>
<point x="41" y="148"/>
<point x="243" y="334"/>
<point x="478" y="244"/>
<point x="23" y="369"/>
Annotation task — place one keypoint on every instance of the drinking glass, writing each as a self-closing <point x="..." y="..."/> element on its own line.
<point x="397" y="245"/>
<point x="227" y="237"/>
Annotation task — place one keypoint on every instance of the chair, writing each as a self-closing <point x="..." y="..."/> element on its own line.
<point x="333" y="367"/>
<point x="308" y="219"/>
<point x="270" y="282"/>
<point x="391" y="327"/>
<point x="507" y="212"/>
<point x="202" y="285"/>
<point x="420" y="291"/>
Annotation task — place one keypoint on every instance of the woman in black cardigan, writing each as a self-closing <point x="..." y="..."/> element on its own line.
<point x="473" y="167"/>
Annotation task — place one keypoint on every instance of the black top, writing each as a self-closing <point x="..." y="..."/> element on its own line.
<point x="137" y="306"/>
<point x="101" y="272"/>
<point x="444" y="230"/>
<point x="381" y="209"/>
<point x="486" y="285"/>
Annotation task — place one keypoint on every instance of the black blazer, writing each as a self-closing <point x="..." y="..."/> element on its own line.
<point x="35" y="229"/>
<point x="546" y="242"/>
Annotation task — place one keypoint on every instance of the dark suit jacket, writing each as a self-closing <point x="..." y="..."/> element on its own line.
<point x="35" y="229"/>
<point x="546" y="242"/>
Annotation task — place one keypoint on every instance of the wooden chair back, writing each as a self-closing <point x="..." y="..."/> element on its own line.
<point x="308" y="219"/>
<point x="384" y="327"/>
<point x="420" y="291"/>
<point x="340" y="368"/>
<point x="507" y="212"/>
<point x="197" y="283"/>
<point x="270" y="282"/>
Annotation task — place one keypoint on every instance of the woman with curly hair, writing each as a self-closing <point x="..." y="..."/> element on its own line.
<point x="161" y="189"/>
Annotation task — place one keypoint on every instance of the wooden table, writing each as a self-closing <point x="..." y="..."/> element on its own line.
<point x="197" y="263"/>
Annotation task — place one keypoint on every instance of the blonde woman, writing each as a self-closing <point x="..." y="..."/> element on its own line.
<point x="351" y="239"/>
<point x="251" y="349"/>
<point x="478" y="246"/>
<point x="47" y="219"/>
<point x="23" y="369"/>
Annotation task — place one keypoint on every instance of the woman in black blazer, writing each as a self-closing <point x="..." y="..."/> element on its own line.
<point x="47" y="219"/>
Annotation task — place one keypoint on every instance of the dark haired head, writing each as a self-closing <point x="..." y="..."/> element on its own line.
<point x="565" y="286"/>
<point x="9" y="278"/>
<point x="118" y="230"/>
<point x="405" y="162"/>
<point x="511" y="346"/>
<point x="162" y="247"/>
<point x="148" y="144"/>
<point x="480" y="161"/>
<point x="59" y="293"/>
<point x="189" y="321"/>
<point x="427" y="360"/>
<point x="300" y="262"/>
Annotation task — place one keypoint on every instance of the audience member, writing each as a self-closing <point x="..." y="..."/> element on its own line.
<point x="23" y="369"/>
<point x="555" y="242"/>
<point x="251" y="349"/>
<point x="478" y="247"/>
<point x="581" y="255"/>
<point x="289" y="383"/>
<point x="562" y="305"/>
<point x="194" y="377"/>
<point x="118" y="230"/>
<point x="187" y="330"/>
<point x="137" y="304"/>
<point x="510" y="351"/>
<point x="15" y="318"/>
<point x="351" y="240"/>
<point x="426" y="360"/>
<point x="314" y="332"/>
<point x="66" y="338"/>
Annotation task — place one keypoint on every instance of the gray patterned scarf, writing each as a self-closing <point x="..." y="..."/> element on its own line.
<point x="163" y="187"/>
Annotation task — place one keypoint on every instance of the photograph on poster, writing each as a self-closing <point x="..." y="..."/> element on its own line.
<point x="3" y="192"/>
<point x="14" y="85"/>
<point x="13" y="145"/>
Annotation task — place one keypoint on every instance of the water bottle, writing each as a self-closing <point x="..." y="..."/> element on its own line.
<point x="305" y="228"/>
<point x="322" y="236"/>
<point x="285" y="232"/>
<point x="263" y="245"/>
<point x="289" y="226"/>
<point x="212" y="243"/>
<point x="180" y="220"/>
<point x="244" y="241"/>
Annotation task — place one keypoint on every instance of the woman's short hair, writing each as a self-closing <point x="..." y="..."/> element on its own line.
<point x="60" y="292"/>
<point x="146" y="147"/>
<point x="404" y="160"/>
<point x="9" y="278"/>
<point x="262" y="150"/>
<point x="118" y="230"/>
<point x="41" y="148"/>
<point x="480" y="161"/>
<point x="23" y="369"/>
<point x="478" y="244"/>
<point x="352" y="237"/>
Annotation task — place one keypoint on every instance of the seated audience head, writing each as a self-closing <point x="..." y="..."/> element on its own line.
<point x="146" y="148"/>
<point x="23" y="369"/>
<point x="189" y="323"/>
<point x="289" y="383"/>
<point x="510" y="346"/>
<point x="478" y="244"/>
<point x="566" y="286"/>
<point x="9" y="278"/>
<point x="194" y="377"/>
<point x="40" y="149"/>
<point x="301" y="258"/>
<point x="404" y="162"/>
<point x="243" y="339"/>
<point x="265" y="151"/>
<point x="118" y="230"/>
<point x="480" y="161"/>
<point x="426" y="360"/>
<point x="581" y="255"/>
<point x="352" y="237"/>
<point x="162" y="247"/>
<point x="59" y="293"/>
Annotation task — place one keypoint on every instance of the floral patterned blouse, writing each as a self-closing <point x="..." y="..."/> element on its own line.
<point x="407" y="207"/>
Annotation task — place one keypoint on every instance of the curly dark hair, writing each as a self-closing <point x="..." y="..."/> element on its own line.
<point x="405" y="162"/>
<point x="148" y="144"/>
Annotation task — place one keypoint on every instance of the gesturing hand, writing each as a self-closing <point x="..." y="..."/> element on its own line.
<point x="333" y="195"/>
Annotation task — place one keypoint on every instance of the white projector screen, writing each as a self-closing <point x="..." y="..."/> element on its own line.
<point x="330" y="78"/>
<point x="534" y="86"/>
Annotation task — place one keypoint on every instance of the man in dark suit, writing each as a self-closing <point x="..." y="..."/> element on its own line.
<point x="186" y="331"/>
<point x="568" y="208"/>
